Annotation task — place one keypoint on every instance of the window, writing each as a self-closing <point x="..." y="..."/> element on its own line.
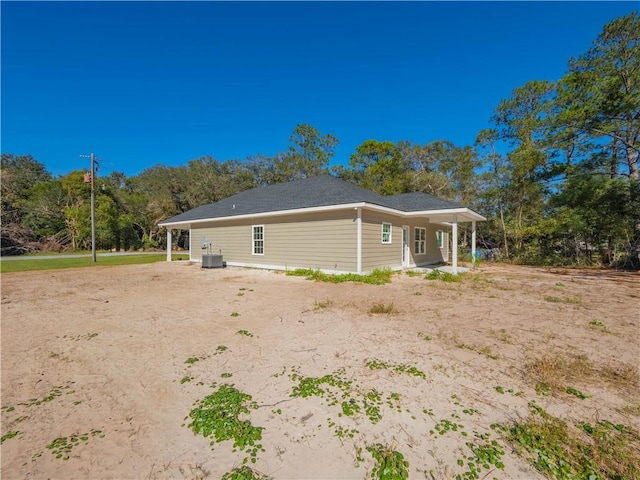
<point x="420" y="241"/>
<point x="386" y="232"/>
<point x="440" y="235"/>
<point x="258" y="239"/>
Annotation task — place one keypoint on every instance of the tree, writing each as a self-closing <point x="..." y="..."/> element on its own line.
<point x="521" y="121"/>
<point x="600" y="108"/>
<point x="378" y="166"/>
<point x="18" y="174"/>
<point x="309" y="152"/>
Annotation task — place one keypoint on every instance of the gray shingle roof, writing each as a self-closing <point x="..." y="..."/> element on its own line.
<point x="306" y="193"/>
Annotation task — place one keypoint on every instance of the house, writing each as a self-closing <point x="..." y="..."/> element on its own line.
<point x="328" y="224"/>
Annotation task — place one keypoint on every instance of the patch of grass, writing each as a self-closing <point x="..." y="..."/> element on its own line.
<point x="567" y="300"/>
<point x="235" y="314"/>
<point x="244" y="333"/>
<point x="88" y="336"/>
<point x="557" y="371"/>
<point x="444" y="276"/>
<point x="486" y="351"/>
<point x="192" y="360"/>
<point x="61" y="447"/>
<point x="33" y="263"/>
<point x="382" y="308"/>
<point x="217" y="416"/>
<point x="424" y="336"/>
<point x="8" y="435"/>
<point x="377" y="277"/>
<point x="319" y="305"/>
<point x="53" y="393"/>
<point x="390" y="464"/>
<point x="562" y="451"/>
<point x="226" y="375"/>
<point x="503" y="337"/>
<point x="185" y="380"/>
<point x="413" y="273"/>
<point x="375" y="364"/>
<point x="577" y="393"/>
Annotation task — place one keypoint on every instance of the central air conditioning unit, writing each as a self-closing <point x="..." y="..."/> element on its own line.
<point x="212" y="261"/>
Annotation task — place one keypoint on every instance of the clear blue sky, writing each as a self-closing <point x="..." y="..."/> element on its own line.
<point x="145" y="83"/>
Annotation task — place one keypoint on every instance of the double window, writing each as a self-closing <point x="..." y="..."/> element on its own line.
<point x="386" y="232"/>
<point x="420" y="241"/>
<point x="258" y="240"/>
<point x="440" y="236"/>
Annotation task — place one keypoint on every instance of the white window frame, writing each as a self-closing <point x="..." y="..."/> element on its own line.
<point x="254" y="239"/>
<point x="440" y="237"/>
<point x="419" y="240"/>
<point x="389" y="240"/>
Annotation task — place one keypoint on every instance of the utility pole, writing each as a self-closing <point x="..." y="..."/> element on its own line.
<point x="93" y="203"/>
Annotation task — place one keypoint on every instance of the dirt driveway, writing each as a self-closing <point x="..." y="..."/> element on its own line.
<point x="101" y="367"/>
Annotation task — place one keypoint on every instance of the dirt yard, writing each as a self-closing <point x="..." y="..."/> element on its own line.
<point x="101" y="367"/>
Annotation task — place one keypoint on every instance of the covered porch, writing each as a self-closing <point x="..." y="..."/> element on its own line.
<point x="452" y="218"/>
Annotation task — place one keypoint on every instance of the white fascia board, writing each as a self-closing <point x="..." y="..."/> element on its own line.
<point x="276" y="213"/>
<point x="464" y="212"/>
<point x="328" y="208"/>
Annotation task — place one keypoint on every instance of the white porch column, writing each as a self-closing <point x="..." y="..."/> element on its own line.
<point x="473" y="243"/>
<point x="454" y="244"/>
<point x="168" y="244"/>
<point x="359" y="241"/>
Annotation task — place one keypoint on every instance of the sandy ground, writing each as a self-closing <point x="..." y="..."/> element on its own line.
<point x="114" y="341"/>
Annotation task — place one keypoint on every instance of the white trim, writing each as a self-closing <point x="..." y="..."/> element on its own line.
<point x="406" y="248"/>
<point x="473" y="243"/>
<point x="290" y="267"/>
<point x="253" y="240"/>
<point x="423" y="242"/>
<point x="390" y="241"/>
<point x="168" y="244"/>
<point x="454" y="244"/>
<point x="440" y="240"/>
<point x="465" y="212"/>
<point x="359" y="241"/>
<point x="190" y="252"/>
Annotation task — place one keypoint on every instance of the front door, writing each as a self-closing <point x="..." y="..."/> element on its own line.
<point x="405" y="246"/>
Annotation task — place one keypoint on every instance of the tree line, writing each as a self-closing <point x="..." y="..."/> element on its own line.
<point x="556" y="174"/>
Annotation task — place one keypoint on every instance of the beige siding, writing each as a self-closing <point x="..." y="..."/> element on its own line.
<point x="376" y="254"/>
<point x="320" y="240"/>
<point x="433" y="254"/>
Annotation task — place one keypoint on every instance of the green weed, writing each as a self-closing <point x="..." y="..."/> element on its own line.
<point x="486" y="454"/>
<point x="245" y="333"/>
<point x="217" y="416"/>
<point x="607" y="451"/>
<point x="244" y="473"/>
<point x="8" y="435"/>
<point x="424" y="336"/>
<point x="577" y="393"/>
<point x="390" y="464"/>
<point x="61" y="447"/>
<point x="397" y="368"/>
